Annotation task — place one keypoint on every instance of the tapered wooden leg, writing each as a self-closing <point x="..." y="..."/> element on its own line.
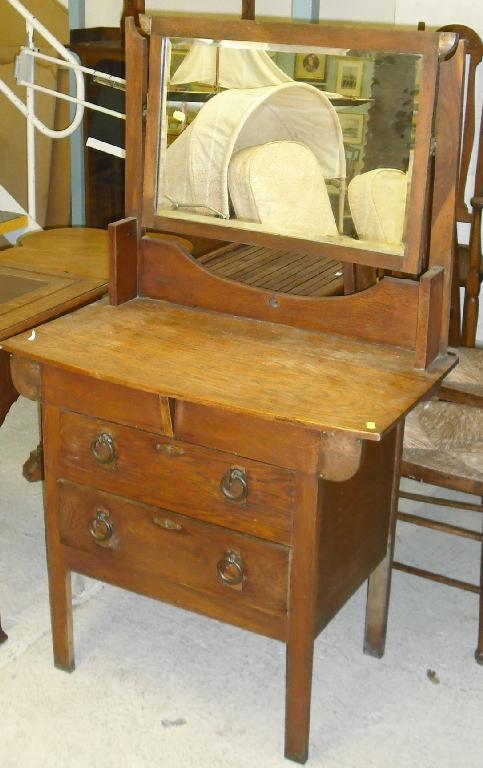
<point x="61" y="617"/>
<point x="59" y="577"/>
<point x="479" y="647"/>
<point x="379" y="582"/>
<point x="3" y="636"/>
<point x="301" y="621"/>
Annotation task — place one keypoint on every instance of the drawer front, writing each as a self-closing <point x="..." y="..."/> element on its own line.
<point x="126" y="536"/>
<point x="209" y="485"/>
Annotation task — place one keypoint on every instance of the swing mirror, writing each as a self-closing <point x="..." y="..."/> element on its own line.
<point x="313" y="145"/>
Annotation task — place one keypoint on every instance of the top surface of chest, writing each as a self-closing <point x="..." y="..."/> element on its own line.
<point x="267" y="370"/>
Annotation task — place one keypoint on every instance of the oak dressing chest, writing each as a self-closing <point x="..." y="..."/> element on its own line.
<point x="231" y="449"/>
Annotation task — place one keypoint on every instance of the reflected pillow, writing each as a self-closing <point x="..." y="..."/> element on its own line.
<point x="377" y="200"/>
<point x="281" y="183"/>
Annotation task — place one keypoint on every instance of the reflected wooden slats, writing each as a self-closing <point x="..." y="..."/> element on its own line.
<point x="276" y="270"/>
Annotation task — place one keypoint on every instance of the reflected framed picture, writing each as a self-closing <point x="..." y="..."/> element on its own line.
<point x="309" y="66"/>
<point x="350" y="73"/>
<point x="352" y="125"/>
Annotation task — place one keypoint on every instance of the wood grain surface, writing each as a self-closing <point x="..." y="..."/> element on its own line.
<point x="186" y="551"/>
<point x="73" y="251"/>
<point x="386" y="312"/>
<point x="178" y="476"/>
<point x="50" y="273"/>
<point x="272" y="371"/>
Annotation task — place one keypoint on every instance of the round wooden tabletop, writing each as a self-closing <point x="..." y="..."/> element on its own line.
<point x="73" y="251"/>
<point x="76" y="251"/>
<point x="85" y="239"/>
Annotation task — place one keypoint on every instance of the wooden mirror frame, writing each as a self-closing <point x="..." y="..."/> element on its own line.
<point x="407" y="313"/>
<point x="429" y="45"/>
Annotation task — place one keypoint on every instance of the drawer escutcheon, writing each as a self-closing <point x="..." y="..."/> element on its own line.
<point x="100" y="527"/>
<point x="103" y="448"/>
<point x="234" y="485"/>
<point x="230" y="570"/>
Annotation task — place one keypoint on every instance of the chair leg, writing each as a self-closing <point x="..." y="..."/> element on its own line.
<point x="479" y="647"/>
<point x="473" y="280"/>
<point x="454" y="337"/>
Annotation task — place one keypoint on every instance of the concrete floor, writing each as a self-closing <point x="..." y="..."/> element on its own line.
<point x="156" y="686"/>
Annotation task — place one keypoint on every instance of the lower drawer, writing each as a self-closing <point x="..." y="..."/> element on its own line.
<point x="115" y="538"/>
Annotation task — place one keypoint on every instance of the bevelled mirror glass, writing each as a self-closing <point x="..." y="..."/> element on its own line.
<point x="312" y="143"/>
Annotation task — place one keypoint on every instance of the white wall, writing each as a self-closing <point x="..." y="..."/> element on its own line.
<point x="108" y="12"/>
<point x="434" y="12"/>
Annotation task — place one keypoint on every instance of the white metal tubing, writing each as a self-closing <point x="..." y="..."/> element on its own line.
<point x="30" y="102"/>
<point x="75" y="100"/>
<point x="68" y="65"/>
<point x="68" y="56"/>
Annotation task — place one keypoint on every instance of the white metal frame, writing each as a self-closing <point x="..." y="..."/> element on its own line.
<point x="25" y="73"/>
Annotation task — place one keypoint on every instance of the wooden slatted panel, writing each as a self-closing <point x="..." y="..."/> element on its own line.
<point x="276" y="270"/>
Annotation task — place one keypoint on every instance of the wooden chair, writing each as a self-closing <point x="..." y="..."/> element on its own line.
<point x="443" y="443"/>
<point x="444" y="439"/>
<point x="444" y="447"/>
<point x="468" y="267"/>
<point x="473" y="265"/>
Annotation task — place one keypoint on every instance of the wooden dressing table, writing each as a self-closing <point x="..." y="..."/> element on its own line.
<point x="227" y="448"/>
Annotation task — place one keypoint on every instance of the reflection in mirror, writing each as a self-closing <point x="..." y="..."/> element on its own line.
<point x="270" y="138"/>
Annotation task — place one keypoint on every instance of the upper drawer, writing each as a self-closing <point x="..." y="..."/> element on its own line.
<point x="209" y="485"/>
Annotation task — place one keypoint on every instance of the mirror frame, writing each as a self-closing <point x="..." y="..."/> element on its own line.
<point x="393" y="40"/>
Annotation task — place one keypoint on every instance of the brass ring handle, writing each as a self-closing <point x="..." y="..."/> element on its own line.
<point x="234" y="485"/>
<point x="230" y="569"/>
<point x="103" y="448"/>
<point x="100" y="526"/>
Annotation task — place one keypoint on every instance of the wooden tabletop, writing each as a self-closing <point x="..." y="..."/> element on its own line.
<point x="50" y="273"/>
<point x="272" y="371"/>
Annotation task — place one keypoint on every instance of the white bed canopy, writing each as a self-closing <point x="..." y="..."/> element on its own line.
<point x="195" y="173"/>
<point x="225" y="66"/>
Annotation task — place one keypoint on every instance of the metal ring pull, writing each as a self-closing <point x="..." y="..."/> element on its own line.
<point x="230" y="569"/>
<point x="103" y="448"/>
<point x="100" y="526"/>
<point x="234" y="485"/>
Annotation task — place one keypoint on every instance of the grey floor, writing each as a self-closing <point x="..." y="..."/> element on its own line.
<point x="156" y="686"/>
